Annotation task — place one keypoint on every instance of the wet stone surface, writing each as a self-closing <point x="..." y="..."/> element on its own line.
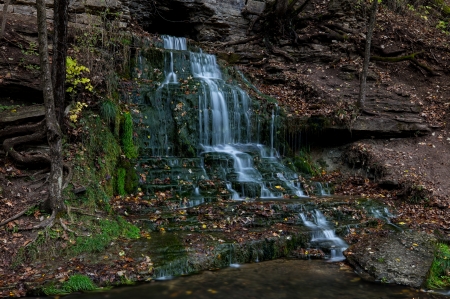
<point x="401" y="258"/>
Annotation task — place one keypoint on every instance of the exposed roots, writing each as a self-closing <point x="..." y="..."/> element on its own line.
<point x="242" y="41"/>
<point x="277" y="51"/>
<point x="411" y="57"/>
<point x="47" y="223"/>
<point x="66" y="228"/>
<point x="4" y="222"/>
<point x="38" y="134"/>
<point x="29" y="133"/>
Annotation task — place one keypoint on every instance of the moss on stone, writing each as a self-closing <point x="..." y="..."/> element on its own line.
<point x="129" y="148"/>
<point x="439" y="274"/>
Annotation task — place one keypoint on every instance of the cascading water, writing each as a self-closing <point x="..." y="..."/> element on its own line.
<point x="221" y="143"/>
<point x="323" y="235"/>
<point x="220" y="131"/>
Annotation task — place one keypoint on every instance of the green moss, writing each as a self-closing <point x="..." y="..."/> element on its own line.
<point x="121" y="173"/>
<point x="76" y="283"/>
<point x="127" y="179"/>
<point x="438" y="276"/>
<point x="107" y="230"/>
<point x="96" y="160"/>
<point x="129" y="149"/>
<point x="304" y="163"/>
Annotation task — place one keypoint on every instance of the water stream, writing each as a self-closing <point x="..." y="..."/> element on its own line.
<point x="323" y="235"/>
<point x="197" y="113"/>
<point x="277" y="279"/>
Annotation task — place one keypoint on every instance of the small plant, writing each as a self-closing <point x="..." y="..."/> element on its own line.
<point x="11" y="108"/>
<point x="439" y="274"/>
<point x="74" y="76"/>
<point x="75" y="112"/>
<point x="443" y="26"/>
<point x="304" y="163"/>
<point x="31" y="50"/>
<point x="108" y="110"/>
<point x="76" y="283"/>
<point x="28" y="66"/>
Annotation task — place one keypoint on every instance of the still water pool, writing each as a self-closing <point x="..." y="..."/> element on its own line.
<point x="273" y="279"/>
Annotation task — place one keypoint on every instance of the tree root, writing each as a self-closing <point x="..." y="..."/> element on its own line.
<point x="80" y="211"/>
<point x="38" y="135"/>
<point x="277" y="51"/>
<point x="66" y="228"/>
<point x="242" y="41"/>
<point x="39" y="132"/>
<point x="411" y="57"/>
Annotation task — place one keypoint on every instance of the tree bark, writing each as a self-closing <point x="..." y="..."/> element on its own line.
<point x="363" y="83"/>
<point x="5" y="11"/>
<point x="281" y="8"/>
<point x="54" y="135"/>
<point x="59" y="57"/>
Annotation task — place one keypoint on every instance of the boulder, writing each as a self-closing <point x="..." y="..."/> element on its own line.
<point x="402" y="257"/>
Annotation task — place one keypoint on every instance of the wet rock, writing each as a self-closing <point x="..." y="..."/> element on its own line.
<point x="401" y="258"/>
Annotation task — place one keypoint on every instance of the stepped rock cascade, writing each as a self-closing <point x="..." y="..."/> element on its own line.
<point x="323" y="236"/>
<point x="199" y="134"/>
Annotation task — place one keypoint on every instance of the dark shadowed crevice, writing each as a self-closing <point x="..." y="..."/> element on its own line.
<point x="175" y="18"/>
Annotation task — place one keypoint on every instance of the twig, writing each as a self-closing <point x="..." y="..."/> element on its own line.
<point x="20" y="214"/>
<point x="15" y="216"/>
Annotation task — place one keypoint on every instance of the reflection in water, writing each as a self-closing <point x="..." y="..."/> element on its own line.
<point x="273" y="279"/>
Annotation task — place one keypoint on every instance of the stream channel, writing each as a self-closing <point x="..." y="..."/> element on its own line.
<point x="203" y="142"/>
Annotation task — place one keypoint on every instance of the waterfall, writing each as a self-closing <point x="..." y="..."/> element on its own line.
<point x="323" y="236"/>
<point x="227" y="133"/>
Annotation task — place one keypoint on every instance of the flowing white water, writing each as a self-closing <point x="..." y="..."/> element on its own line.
<point x="225" y="124"/>
<point x="323" y="235"/>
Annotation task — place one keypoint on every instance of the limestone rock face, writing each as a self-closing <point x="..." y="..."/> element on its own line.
<point x="202" y="20"/>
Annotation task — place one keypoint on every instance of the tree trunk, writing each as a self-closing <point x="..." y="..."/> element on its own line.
<point x="281" y="8"/>
<point x="59" y="57"/>
<point x="372" y="20"/>
<point x="5" y="11"/>
<point x="54" y="135"/>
